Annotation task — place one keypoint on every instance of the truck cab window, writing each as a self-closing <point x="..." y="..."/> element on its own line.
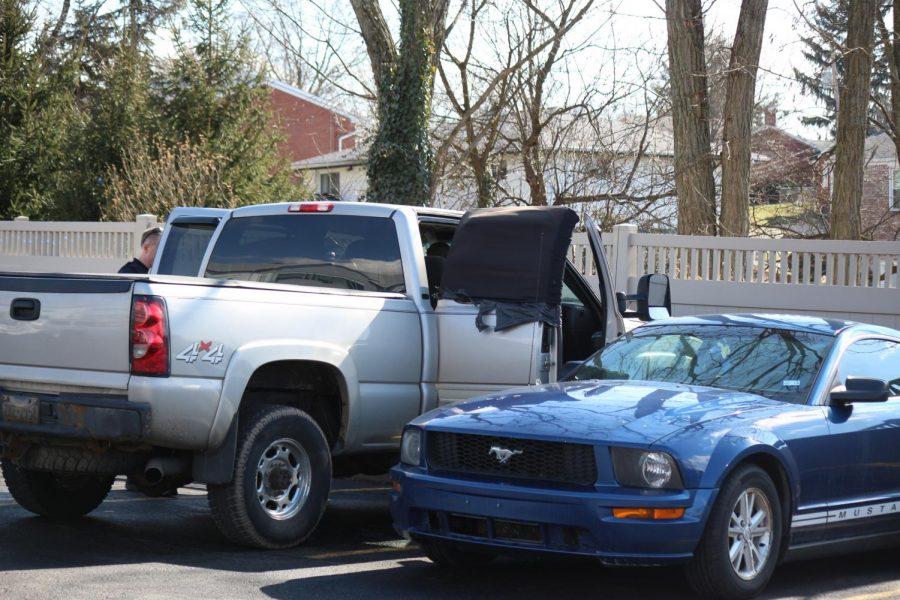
<point x="334" y="251"/>
<point x="185" y="247"/>
<point x="436" y="240"/>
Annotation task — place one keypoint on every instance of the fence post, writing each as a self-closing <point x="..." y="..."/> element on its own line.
<point x="624" y="267"/>
<point x="141" y="224"/>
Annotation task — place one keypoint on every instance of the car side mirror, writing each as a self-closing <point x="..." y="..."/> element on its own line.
<point x="654" y="300"/>
<point x="860" y="389"/>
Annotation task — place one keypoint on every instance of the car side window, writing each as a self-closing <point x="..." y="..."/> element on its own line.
<point x="872" y="358"/>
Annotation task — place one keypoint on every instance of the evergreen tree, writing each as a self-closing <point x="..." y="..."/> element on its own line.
<point x="118" y="115"/>
<point x="824" y="47"/>
<point x="37" y="115"/>
<point x="212" y="95"/>
<point x="101" y="30"/>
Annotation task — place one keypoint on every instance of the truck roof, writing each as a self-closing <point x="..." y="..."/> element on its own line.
<point x="339" y="207"/>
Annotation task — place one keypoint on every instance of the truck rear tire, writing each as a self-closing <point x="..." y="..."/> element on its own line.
<point x="282" y="477"/>
<point x="55" y="495"/>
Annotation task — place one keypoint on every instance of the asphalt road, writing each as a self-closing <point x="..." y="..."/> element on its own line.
<point x="134" y="546"/>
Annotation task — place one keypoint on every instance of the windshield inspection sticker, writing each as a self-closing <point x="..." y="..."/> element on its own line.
<point x="791" y="383"/>
<point x="205" y="351"/>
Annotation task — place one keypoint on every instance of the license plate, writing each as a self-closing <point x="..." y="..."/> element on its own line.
<point x="518" y="532"/>
<point x="21" y="409"/>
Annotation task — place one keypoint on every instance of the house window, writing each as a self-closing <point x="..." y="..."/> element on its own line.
<point x="894" y="196"/>
<point x="330" y="185"/>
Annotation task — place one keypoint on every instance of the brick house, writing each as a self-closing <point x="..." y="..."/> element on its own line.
<point x="786" y="167"/>
<point x="795" y="176"/>
<point x="312" y="127"/>
<point x="880" y="205"/>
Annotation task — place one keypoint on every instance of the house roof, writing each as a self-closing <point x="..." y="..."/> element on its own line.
<point x="817" y="145"/>
<point x="880" y="147"/>
<point x="339" y="158"/>
<point x="311" y="98"/>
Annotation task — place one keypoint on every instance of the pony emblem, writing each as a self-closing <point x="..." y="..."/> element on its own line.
<point x="502" y="454"/>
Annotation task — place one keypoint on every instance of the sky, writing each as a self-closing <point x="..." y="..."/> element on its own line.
<point x="781" y="51"/>
<point x="641" y="23"/>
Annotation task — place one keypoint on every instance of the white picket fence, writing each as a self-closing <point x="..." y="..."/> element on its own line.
<point x="70" y="247"/>
<point x="836" y="279"/>
<point x="833" y="279"/>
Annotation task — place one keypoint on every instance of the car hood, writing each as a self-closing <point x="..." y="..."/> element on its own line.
<point x="631" y="412"/>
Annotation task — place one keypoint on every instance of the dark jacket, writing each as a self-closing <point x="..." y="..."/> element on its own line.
<point x="135" y="266"/>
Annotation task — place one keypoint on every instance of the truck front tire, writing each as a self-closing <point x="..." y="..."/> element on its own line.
<point x="55" y="495"/>
<point x="282" y="477"/>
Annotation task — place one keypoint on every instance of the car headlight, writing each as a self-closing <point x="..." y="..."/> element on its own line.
<point x="411" y="447"/>
<point x="646" y="469"/>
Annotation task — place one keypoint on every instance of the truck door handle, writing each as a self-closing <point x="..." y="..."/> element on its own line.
<point x="25" y="309"/>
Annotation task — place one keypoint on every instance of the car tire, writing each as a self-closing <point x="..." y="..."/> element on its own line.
<point x="55" y="495"/>
<point x="282" y="478"/>
<point x="711" y="572"/>
<point x="454" y="556"/>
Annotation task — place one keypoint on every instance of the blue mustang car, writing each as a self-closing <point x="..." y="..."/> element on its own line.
<point x="727" y="443"/>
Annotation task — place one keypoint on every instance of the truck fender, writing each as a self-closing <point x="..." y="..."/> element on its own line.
<point x="248" y="358"/>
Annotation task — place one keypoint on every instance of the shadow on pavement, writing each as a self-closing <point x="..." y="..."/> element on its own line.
<point x="355" y="552"/>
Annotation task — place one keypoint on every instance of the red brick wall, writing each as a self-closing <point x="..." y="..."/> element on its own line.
<point x="309" y="130"/>
<point x="880" y="222"/>
<point x="791" y="162"/>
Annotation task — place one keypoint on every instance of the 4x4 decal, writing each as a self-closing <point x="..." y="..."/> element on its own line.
<point x="204" y="351"/>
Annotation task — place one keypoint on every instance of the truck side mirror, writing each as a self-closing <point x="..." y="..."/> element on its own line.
<point x="654" y="300"/>
<point x="860" y="389"/>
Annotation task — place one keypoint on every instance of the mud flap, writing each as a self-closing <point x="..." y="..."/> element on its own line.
<point x="216" y="466"/>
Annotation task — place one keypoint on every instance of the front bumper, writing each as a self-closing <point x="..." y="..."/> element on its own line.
<point x="74" y="416"/>
<point x="516" y="518"/>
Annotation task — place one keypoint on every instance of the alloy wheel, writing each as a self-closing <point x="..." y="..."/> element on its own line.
<point x="750" y="533"/>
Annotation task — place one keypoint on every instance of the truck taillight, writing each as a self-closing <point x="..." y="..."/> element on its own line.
<point x="311" y="207"/>
<point x="149" y="337"/>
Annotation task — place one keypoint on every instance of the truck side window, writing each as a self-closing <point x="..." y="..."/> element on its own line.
<point x="334" y="251"/>
<point x="185" y="248"/>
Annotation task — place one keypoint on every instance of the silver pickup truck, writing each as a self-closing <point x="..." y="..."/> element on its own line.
<point x="269" y="347"/>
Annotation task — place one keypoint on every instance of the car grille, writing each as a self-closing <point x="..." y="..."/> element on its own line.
<point x="531" y="459"/>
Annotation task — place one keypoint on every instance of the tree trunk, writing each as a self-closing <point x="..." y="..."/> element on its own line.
<point x="852" y="118"/>
<point x="534" y="173"/>
<point x="738" y="117"/>
<point x="377" y="38"/>
<point x="895" y="77"/>
<point x="690" y="119"/>
<point x="400" y="163"/>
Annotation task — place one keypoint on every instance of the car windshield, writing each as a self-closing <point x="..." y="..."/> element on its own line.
<point x="775" y="363"/>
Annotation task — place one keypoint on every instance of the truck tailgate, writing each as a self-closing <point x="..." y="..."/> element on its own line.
<point x="65" y="321"/>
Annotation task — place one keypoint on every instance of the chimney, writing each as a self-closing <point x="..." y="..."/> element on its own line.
<point x="770" y="117"/>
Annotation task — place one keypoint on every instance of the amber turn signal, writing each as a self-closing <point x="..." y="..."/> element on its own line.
<point x="396" y="486"/>
<point x="653" y="514"/>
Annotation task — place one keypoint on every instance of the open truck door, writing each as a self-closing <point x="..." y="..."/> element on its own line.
<point x="614" y="324"/>
<point x="652" y="301"/>
<point x="498" y="311"/>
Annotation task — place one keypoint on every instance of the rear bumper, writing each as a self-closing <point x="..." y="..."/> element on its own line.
<point x="75" y="416"/>
<point x="564" y="522"/>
